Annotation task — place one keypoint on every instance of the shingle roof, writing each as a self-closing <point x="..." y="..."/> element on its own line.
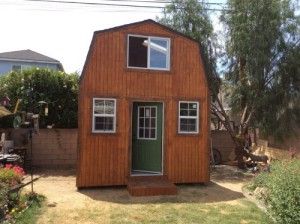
<point x="27" y="55"/>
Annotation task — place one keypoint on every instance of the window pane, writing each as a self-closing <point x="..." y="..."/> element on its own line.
<point x="99" y="107"/>
<point x="153" y="123"/>
<point x="184" y="106"/>
<point x="192" y="125"/>
<point x="147" y="133"/>
<point x="104" y="123"/>
<point x="188" y="125"/>
<point x="141" y="111"/>
<point x="153" y="112"/>
<point x="152" y="133"/>
<point x="192" y="106"/>
<point x="183" y="125"/>
<point x="147" y="122"/>
<point x="142" y="123"/>
<point x="147" y="112"/>
<point x="137" y="52"/>
<point x="183" y="112"/>
<point x="158" y="53"/>
<point x="109" y="106"/>
<point x="192" y="112"/>
<point x="99" y="123"/>
<point x="109" y="123"/>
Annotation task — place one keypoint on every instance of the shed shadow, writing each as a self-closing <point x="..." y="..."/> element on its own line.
<point x="187" y="193"/>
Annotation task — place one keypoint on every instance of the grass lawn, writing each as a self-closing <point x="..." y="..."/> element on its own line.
<point x="160" y="210"/>
<point x="219" y="202"/>
<point x="243" y="212"/>
<point x="31" y="215"/>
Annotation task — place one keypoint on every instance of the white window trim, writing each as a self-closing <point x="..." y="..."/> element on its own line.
<point x="138" y="123"/>
<point x="106" y="115"/>
<point x="188" y="117"/>
<point x="148" y="52"/>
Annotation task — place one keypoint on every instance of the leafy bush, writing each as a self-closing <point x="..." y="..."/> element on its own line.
<point x="11" y="175"/>
<point x="283" y="187"/>
<point x="58" y="89"/>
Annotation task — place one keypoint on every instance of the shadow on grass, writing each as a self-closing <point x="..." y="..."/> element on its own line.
<point x="187" y="193"/>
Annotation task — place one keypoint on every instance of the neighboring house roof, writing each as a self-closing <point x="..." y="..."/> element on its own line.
<point x="28" y="56"/>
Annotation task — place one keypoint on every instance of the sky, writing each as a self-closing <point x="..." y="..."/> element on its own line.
<point x="64" y="31"/>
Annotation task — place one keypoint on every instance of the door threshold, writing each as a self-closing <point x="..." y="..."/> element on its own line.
<point x="144" y="173"/>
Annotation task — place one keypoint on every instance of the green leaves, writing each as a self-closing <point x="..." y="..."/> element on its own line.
<point x="58" y="89"/>
<point x="190" y="18"/>
<point x="262" y="47"/>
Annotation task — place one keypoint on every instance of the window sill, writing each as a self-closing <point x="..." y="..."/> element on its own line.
<point x="188" y="134"/>
<point x="147" y="70"/>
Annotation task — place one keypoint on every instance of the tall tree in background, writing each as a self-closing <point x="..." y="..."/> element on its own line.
<point x="263" y="49"/>
<point x="190" y="18"/>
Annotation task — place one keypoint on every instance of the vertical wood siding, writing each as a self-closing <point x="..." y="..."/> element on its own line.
<point x="104" y="159"/>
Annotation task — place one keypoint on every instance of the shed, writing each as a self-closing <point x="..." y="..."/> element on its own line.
<point x="143" y="109"/>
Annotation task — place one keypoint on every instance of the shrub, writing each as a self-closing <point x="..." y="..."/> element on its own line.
<point x="58" y="89"/>
<point x="11" y="175"/>
<point x="283" y="187"/>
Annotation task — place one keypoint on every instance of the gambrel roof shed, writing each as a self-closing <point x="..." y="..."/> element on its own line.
<point x="143" y="108"/>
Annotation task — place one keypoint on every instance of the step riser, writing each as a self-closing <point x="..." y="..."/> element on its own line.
<point x="150" y="186"/>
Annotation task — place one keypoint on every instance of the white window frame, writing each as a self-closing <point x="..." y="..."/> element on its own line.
<point x="138" y="123"/>
<point x="188" y="117"/>
<point x="148" y="52"/>
<point x="104" y="115"/>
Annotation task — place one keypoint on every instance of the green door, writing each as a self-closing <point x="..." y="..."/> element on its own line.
<point x="147" y="137"/>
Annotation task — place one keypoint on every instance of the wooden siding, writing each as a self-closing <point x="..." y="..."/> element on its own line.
<point x="105" y="159"/>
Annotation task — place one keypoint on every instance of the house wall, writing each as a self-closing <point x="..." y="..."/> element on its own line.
<point x="105" y="159"/>
<point x="6" y="66"/>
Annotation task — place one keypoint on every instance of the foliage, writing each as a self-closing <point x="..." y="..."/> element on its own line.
<point x="283" y="187"/>
<point x="190" y="18"/>
<point x="57" y="89"/>
<point x="263" y="49"/>
<point x="11" y="175"/>
<point x="3" y="199"/>
<point x="28" y="209"/>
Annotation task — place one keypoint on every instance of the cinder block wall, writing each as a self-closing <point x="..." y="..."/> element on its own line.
<point x="223" y="142"/>
<point x="55" y="148"/>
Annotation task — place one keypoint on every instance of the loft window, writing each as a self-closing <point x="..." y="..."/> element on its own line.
<point x="148" y="52"/>
<point x="188" y="117"/>
<point x="104" y="115"/>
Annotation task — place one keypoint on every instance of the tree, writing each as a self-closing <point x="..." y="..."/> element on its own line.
<point x="262" y="46"/>
<point x="190" y="18"/>
<point x="57" y="89"/>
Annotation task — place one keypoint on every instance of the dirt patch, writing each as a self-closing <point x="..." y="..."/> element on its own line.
<point x="67" y="204"/>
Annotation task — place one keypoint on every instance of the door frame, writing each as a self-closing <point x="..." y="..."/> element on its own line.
<point x="162" y="138"/>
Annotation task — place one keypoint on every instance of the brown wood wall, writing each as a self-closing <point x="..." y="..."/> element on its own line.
<point x="104" y="159"/>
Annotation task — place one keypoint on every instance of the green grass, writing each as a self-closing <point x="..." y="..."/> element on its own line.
<point x="225" y="213"/>
<point x="31" y="214"/>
